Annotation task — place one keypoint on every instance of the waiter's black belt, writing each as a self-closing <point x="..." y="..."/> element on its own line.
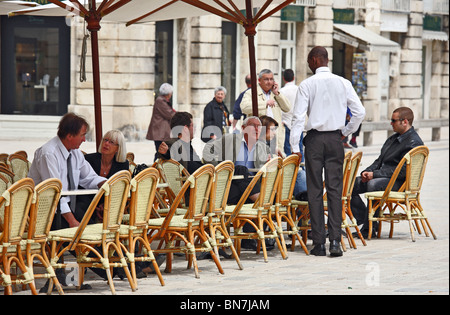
<point x="317" y="131"/>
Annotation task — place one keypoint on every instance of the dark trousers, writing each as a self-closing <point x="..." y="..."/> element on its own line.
<point x="359" y="208"/>
<point x="238" y="186"/>
<point x="324" y="153"/>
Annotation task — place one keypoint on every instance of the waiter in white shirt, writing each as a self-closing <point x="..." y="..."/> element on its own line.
<point x="325" y="98"/>
<point x="51" y="161"/>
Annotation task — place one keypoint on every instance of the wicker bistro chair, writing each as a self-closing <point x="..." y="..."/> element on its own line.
<point x="283" y="201"/>
<point x="300" y="209"/>
<point x="219" y="236"/>
<point x="43" y="208"/>
<point x="349" y="182"/>
<point x="134" y="234"/>
<point x="19" y="166"/>
<point x="6" y="172"/>
<point x="22" y="153"/>
<point x="17" y="202"/>
<point x="176" y="230"/>
<point x="402" y="205"/>
<point x="172" y="173"/>
<point x="4" y="185"/>
<point x="100" y="240"/>
<point x="4" y="157"/>
<point x="259" y="212"/>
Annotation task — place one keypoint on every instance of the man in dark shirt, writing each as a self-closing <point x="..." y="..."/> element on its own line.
<point x="377" y="176"/>
<point x="180" y="148"/>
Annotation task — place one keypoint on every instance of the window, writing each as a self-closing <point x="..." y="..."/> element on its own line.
<point x="287" y="46"/>
<point x="228" y="73"/>
<point x="164" y="53"/>
<point x="35" y="65"/>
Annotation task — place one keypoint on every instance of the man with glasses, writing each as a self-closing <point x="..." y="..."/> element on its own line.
<point x="376" y="177"/>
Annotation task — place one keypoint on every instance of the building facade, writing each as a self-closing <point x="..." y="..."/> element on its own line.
<point x="396" y="53"/>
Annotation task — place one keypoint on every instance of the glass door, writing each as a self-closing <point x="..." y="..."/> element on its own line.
<point x="164" y="54"/>
<point x="228" y="62"/>
<point x="35" y="66"/>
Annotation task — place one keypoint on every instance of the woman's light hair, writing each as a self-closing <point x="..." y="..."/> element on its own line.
<point x="220" y="88"/>
<point x="165" y="89"/>
<point x="117" y="137"/>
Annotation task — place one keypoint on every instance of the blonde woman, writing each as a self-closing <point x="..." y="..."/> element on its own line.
<point x="108" y="160"/>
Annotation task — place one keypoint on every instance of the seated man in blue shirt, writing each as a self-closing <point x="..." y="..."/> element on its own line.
<point x="246" y="150"/>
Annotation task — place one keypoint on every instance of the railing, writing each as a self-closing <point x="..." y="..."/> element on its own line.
<point x="354" y="4"/>
<point x="305" y="3"/>
<point x="396" y="5"/>
<point x="436" y="6"/>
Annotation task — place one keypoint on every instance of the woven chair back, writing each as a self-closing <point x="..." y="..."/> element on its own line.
<point x="416" y="162"/>
<point x="47" y="195"/>
<point x="19" y="166"/>
<point x="17" y="202"/>
<point x="221" y="186"/>
<point x="288" y="177"/>
<point x="143" y="187"/>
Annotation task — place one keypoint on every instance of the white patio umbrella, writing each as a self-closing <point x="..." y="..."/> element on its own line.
<point x="139" y="11"/>
<point x="9" y="5"/>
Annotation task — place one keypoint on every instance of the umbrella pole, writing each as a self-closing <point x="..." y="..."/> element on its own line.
<point x="251" y="50"/>
<point x="93" y="22"/>
<point x="250" y="32"/>
<point x="97" y="91"/>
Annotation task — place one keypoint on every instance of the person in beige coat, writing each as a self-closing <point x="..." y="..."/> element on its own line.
<point x="270" y="102"/>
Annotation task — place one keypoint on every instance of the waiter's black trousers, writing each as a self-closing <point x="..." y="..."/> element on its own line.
<point x="324" y="154"/>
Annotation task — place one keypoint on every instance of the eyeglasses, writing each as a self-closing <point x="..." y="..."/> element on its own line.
<point x="110" y="141"/>
<point x="394" y="120"/>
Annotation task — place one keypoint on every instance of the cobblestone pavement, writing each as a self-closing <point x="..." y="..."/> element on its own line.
<point x="385" y="266"/>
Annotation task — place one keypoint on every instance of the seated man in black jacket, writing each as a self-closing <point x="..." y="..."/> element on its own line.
<point x="180" y="148"/>
<point x="376" y="177"/>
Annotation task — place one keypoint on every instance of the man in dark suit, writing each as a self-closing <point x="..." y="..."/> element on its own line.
<point x="377" y="176"/>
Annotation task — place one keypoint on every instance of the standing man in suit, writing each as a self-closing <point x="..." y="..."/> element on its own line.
<point x="325" y="98"/>
<point x="270" y="102"/>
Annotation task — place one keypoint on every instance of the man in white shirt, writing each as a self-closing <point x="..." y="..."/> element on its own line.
<point x="51" y="161"/>
<point x="325" y="98"/>
<point x="290" y="91"/>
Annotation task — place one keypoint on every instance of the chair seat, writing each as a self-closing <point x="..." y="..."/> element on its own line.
<point x="177" y="221"/>
<point x="124" y="230"/>
<point x="392" y="195"/>
<point x="23" y="246"/>
<point x="299" y="203"/>
<point x="92" y="232"/>
<point x="179" y="211"/>
<point x="246" y="209"/>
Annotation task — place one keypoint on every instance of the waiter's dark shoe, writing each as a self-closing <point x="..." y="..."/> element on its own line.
<point x="335" y="249"/>
<point x="319" y="250"/>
